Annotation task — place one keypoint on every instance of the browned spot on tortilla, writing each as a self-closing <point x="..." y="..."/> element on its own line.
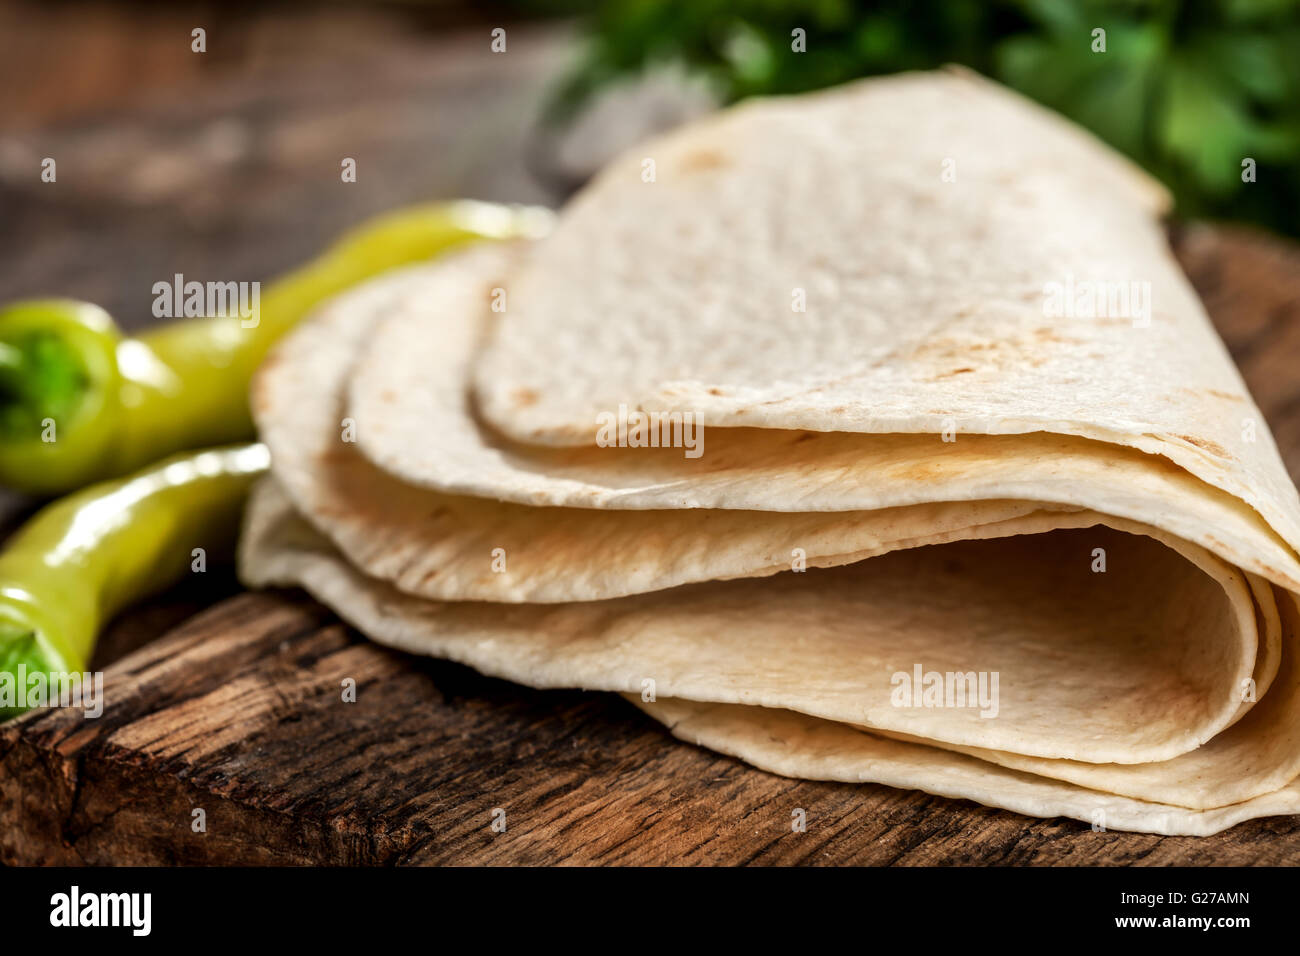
<point x="388" y="395"/>
<point x="806" y="436"/>
<point x="715" y="391"/>
<point x="1051" y="335"/>
<point x="956" y="371"/>
<point x="922" y="471"/>
<point x="523" y="397"/>
<point x="838" y="410"/>
<point x="703" y="160"/>
<point x="1214" y="448"/>
<point x="1024" y="348"/>
<point x="1227" y="395"/>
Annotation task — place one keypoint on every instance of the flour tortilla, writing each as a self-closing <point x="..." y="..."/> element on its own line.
<point x="1092" y="667"/>
<point x="626" y="564"/>
<point x="925" y="298"/>
<point x="738" y="701"/>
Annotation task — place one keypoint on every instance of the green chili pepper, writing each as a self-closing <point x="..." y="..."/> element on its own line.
<point x="80" y="560"/>
<point x="79" y="402"/>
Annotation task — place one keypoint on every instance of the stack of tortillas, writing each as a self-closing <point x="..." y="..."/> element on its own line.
<point x="871" y="435"/>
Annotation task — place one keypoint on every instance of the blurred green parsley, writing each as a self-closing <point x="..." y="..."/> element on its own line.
<point x="1188" y="88"/>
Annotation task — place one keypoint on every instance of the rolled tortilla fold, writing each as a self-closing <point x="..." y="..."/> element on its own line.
<point x="935" y="535"/>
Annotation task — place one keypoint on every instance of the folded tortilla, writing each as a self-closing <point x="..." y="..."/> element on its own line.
<point x="937" y="536"/>
<point x="761" y="693"/>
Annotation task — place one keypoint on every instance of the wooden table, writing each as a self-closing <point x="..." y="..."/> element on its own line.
<point x="237" y="711"/>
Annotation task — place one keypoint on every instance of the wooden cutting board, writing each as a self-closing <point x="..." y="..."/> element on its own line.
<point x="239" y="712"/>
